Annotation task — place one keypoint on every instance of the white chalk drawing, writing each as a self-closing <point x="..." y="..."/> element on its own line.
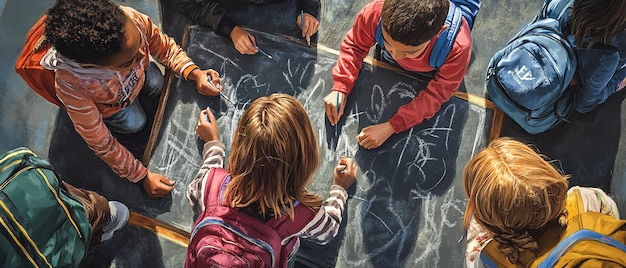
<point x="439" y="215"/>
<point x="376" y="206"/>
<point x="405" y="202"/>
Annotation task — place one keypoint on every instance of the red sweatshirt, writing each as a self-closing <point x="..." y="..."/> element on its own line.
<point x="446" y="81"/>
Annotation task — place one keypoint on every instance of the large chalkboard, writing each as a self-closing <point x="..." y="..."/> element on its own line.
<point x="407" y="206"/>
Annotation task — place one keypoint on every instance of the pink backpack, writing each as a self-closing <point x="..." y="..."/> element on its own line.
<point x="227" y="237"/>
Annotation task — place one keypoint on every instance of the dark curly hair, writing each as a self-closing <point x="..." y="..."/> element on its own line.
<point x="413" y="22"/>
<point x="86" y="31"/>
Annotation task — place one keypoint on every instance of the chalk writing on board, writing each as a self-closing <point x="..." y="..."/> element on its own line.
<point x="405" y="205"/>
<point x="438" y="216"/>
<point x="377" y="211"/>
<point x="380" y="100"/>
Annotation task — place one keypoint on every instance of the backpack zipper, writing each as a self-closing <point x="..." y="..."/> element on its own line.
<point x="491" y="72"/>
<point x="260" y="243"/>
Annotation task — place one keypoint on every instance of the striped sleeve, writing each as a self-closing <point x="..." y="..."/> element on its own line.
<point x="325" y="225"/>
<point x="596" y="200"/>
<point x="162" y="47"/>
<point x="213" y="154"/>
<point x="89" y="124"/>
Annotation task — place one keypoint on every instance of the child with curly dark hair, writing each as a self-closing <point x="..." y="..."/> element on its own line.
<point x="101" y="58"/>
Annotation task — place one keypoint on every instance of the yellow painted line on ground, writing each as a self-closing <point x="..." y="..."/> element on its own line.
<point x="161" y="228"/>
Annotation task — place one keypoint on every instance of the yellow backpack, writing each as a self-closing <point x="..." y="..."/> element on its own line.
<point x="591" y="239"/>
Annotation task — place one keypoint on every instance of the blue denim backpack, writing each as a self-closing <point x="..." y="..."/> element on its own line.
<point x="528" y="78"/>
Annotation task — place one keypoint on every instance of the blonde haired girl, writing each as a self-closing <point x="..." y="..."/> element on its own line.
<point x="274" y="157"/>
<point x="515" y="194"/>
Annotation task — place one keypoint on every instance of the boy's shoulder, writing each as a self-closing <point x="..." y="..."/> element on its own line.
<point x="373" y="8"/>
<point x="464" y="37"/>
<point x="137" y="17"/>
<point x="129" y="10"/>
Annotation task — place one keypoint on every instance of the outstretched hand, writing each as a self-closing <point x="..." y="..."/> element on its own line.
<point x="372" y="137"/>
<point x="243" y="41"/>
<point x="207" y="126"/>
<point x="157" y="185"/>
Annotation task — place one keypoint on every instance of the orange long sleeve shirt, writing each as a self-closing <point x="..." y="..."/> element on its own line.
<point x="91" y="94"/>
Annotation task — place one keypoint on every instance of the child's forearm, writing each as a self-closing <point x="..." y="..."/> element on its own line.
<point x="330" y="215"/>
<point x="336" y="202"/>
<point x="213" y="155"/>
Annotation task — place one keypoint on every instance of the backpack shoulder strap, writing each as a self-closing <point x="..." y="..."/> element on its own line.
<point x="558" y="10"/>
<point x="28" y="64"/>
<point x="217" y="179"/>
<point x="574" y="238"/>
<point x="35" y="38"/>
<point x="469" y="9"/>
<point x="444" y="43"/>
<point x="378" y="36"/>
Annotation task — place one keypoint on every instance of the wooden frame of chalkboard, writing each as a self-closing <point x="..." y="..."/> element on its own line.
<point x="413" y="171"/>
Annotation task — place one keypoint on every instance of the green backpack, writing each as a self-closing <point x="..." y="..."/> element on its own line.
<point x="41" y="224"/>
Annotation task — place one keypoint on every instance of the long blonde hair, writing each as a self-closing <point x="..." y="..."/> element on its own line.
<point x="274" y="157"/>
<point x="513" y="190"/>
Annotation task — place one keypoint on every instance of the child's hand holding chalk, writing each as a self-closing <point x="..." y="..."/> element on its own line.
<point x="157" y="185"/>
<point x="221" y="94"/>
<point x="345" y="172"/>
<point x="201" y="77"/>
<point x="244" y="41"/>
<point x="309" y="25"/>
<point x="334" y="104"/>
<point x="207" y="127"/>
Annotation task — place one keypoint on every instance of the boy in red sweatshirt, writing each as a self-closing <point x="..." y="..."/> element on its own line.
<point x="409" y="31"/>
